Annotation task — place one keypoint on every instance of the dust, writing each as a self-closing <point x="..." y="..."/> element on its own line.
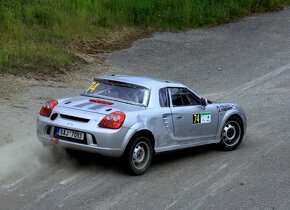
<point x="20" y="152"/>
<point x="21" y="97"/>
<point x="20" y="160"/>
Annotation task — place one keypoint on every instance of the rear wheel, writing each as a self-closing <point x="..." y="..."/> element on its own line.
<point x="138" y="155"/>
<point x="232" y="134"/>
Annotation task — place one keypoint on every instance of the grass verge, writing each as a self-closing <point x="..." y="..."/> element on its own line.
<point x="42" y="35"/>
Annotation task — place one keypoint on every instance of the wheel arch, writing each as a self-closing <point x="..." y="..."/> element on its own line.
<point x="237" y="137"/>
<point x="143" y="132"/>
<point x="240" y="118"/>
<point x="227" y="117"/>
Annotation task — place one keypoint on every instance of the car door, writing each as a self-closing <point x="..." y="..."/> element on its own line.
<point x="191" y="120"/>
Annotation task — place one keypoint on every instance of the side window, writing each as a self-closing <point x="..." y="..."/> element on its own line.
<point x="163" y="97"/>
<point x="194" y="100"/>
<point x="183" y="97"/>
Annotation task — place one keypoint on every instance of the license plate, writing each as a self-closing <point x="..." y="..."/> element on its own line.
<point x="70" y="134"/>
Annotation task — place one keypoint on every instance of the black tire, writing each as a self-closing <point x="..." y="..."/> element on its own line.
<point x="138" y="155"/>
<point x="232" y="134"/>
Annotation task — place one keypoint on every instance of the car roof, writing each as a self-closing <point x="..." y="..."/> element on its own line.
<point x="146" y="81"/>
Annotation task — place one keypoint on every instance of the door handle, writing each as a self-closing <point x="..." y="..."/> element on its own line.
<point x="179" y="116"/>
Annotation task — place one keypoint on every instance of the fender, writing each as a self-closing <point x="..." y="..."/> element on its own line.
<point x="226" y="115"/>
<point x="134" y="129"/>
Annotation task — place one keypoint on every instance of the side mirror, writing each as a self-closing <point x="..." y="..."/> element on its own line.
<point x="203" y="102"/>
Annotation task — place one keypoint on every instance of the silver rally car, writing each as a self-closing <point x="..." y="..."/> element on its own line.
<point x="135" y="117"/>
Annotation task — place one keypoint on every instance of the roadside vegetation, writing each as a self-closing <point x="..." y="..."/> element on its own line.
<point x="42" y="35"/>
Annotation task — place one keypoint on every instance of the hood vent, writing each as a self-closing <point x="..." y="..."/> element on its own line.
<point x="90" y="105"/>
<point x="96" y="107"/>
<point x="83" y="104"/>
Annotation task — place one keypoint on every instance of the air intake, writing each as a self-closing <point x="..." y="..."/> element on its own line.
<point x="74" y="118"/>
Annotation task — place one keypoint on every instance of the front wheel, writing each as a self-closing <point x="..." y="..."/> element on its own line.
<point x="232" y="134"/>
<point x="138" y="155"/>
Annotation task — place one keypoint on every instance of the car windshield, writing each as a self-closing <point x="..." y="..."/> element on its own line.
<point x="119" y="91"/>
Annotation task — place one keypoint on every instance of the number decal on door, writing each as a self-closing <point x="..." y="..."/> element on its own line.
<point x="204" y="117"/>
<point x="196" y="118"/>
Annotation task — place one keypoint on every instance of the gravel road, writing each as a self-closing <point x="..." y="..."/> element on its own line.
<point x="247" y="62"/>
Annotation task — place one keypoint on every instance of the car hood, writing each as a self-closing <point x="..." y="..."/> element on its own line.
<point x="85" y="103"/>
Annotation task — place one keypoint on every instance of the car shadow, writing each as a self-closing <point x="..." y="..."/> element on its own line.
<point x="84" y="159"/>
<point x="166" y="157"/>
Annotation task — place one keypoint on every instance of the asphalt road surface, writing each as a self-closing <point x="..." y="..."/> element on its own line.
<point x="246" y="62"/>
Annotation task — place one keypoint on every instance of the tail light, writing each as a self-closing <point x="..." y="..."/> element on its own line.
<point x="47" y="108"/>
<point x="114" y="120"/>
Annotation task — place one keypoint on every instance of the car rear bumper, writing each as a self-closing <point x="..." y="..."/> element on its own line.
<point x="47" y="141"/>
<point x="107" y="142"/>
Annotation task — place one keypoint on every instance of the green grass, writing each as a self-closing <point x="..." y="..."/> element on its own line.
<point x="38" y="34"/>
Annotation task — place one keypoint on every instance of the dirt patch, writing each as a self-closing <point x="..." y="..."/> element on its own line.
<point x="115" y="39"/>
<point x="79" y="76"/>
<point x="88" y="53"/>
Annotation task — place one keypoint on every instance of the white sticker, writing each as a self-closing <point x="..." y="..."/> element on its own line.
<point x="206" y="117"/>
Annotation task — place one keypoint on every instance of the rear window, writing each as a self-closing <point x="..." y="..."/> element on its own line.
<point x="119" y="91"/>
